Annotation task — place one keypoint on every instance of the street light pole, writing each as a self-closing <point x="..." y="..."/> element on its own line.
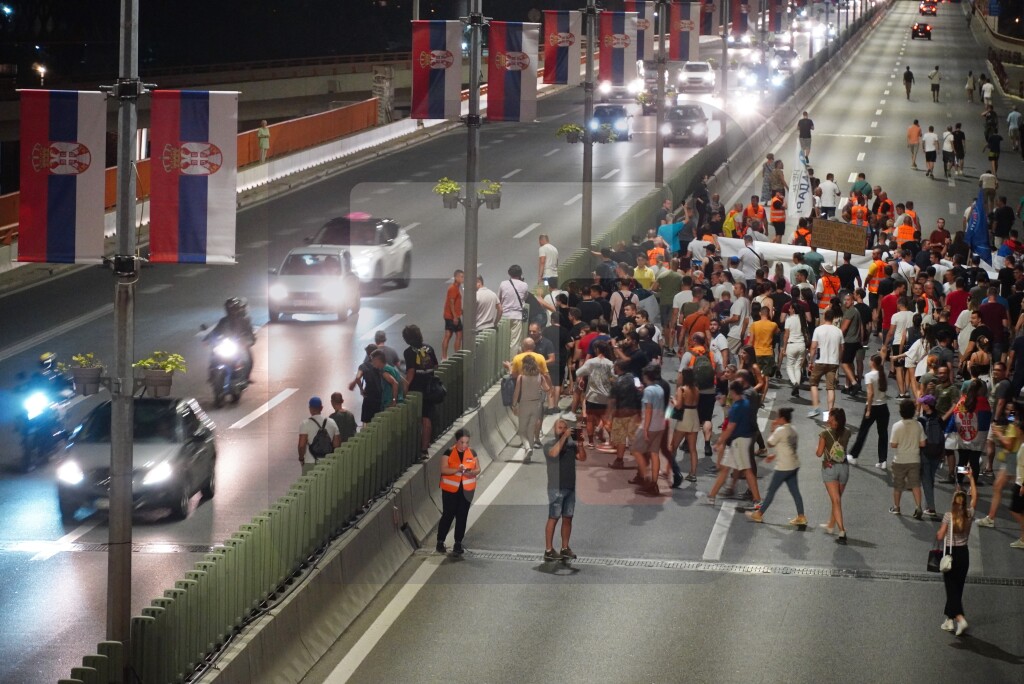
<point x="723" y="9"/>
<point x="664" y="12"/>
<point x="475" y="21"/>
<point x="586" y="223"/>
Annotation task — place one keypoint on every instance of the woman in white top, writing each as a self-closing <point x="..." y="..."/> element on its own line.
<point x="876" y="412"/>
<point x="787" y="465"/>
<point x="954" y="533"/>
<point x="794" y="346"/>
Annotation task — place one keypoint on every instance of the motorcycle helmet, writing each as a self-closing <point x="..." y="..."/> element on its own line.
<point x="47" y="360"/>
<point x="234" y="306"/>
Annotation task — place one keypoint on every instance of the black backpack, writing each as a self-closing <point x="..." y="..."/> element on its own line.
<point x="934" y="436"/>
<point x="322" y="443"/>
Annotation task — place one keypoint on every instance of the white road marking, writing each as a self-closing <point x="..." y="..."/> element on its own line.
<point x="499" y="140"/>
<point x="192" y="272"/>
<point x="382" y="191"/>
<point x="867" y="138"/>
<point x="874" y="124"/>
<point x="419" y="174"/>
<point x="554" y="151"/>
<point x="287" y="231"/>
<point x="258" y="244"/>
<point x="716" y="542"/>
<point x="642" y="152"/>
<point x="510" y="174"/>
<point x="860" y="157"/>
<point x="255" y="415"/>
<point x="889" y="83"/>
<point x="572" y="200"/>
<point x="852" y="178"/>
<point x="62" y="544"/>
<point x="952" y="183"/>
<point x="153" y="289"/>
<point x="412" y="225"/>
<point x="393" y="611"/>
<point x="611" y="173"/>
<point x="360" y="200"/>
<point x="878" y="112"/>
<point x="882" y="102"/>
<point x="952" y="208"/>
<point x="884" y="92"/>
<point x="526" y="231"/>
<point x="46" y="335"/>
<point x="383" y="325"/>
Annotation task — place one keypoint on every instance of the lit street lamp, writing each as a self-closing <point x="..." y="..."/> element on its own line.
<point x="41" y="70"/>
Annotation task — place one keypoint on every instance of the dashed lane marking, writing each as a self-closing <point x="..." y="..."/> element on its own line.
<point x="878" y="112"/>
<point x="641" y="152"/>
<point x="153" y="289"/>
<point x="255" y="415"/>
<point x="47" y="335"/>
<point x="383" y="325"/>
<point x="860" y="157"/>
<point x="412" y="225"/>
<point x="611" y="173"/>
<point x="716" y="542"/>
<point x="874" y="124"/>
<point x="53" y="548"/>
<point x="867" y="138"/>
<point x="551" y="152"/>
<point x="852" y="178"/>
<point x="882" y="102"/>
<point x="192" y="272"/>
<point x="510" y="174"/>
<point x="526" y="231"/>
<point x="952" y="207"/>
<point x="572" y="200"/>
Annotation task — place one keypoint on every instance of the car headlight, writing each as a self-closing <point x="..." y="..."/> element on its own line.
<point x="605" y="87"/>
<point x="635" y="86"/>
<point x="750" y="80"/>
<point x="226" y="348"/>
<point x="620" y="125"/>
<point x="777" y="80"/>
<point x="666" y="129"/>
<point x="594" y="124"/>
<point x="70" y="473"/>
<point x="278" y="291"/>
<point x="745" y="39"/>
<point x="361" y="266"/>
<point x="699" y="129"/>
<point x="794" y="62"/>
<point x="775" y="63"/>
<point x="158" y="473"/>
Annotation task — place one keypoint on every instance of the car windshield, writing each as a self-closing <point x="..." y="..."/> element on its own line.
<point x="610" y="113"/>
<point x="699" y="66"/>
<point x="345" y="232"/>
<point x="154" y="422"/>
<point x="311" y="265"/>
<point x="685" y="114"/>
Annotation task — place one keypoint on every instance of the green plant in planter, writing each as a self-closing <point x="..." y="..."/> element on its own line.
<point x="489" y="187"/>
<point x="446" y="186"/>
<point x="605" y="134"/>
<point x="569" y="129"/>
<point x="643" y="98"/>
<point x="87" y="360"/>
<point x="167" y="362"/>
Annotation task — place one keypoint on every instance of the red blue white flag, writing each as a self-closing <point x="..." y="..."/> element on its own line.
<point x="193" y="169"/>
<point x="618" y="48"/>
<point x="436" y="69"/>
<point x="707" y="19"/>
<point x="775" y="14"/>
<point x="562" y="32"/>
<point x="63" y="144"/>
<point x="512" y="71"/>
<point x="684" y="36"/>
<point x="644" y="27"/>
<point x="740" y="10"/>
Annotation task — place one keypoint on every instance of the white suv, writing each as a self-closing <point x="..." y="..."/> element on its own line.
<point x="380" y="248"/>
<point x="697" y="76"/>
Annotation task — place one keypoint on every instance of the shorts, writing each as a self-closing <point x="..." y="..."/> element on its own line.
<point x="767" y="364"/>
<point x="594" y="408"/>
<point x="1010" y="464"/>
<point x="906" y="476"/>
<point x="1017" y="503"/>
<point x="452" y="326"/>
<point x="735" y="344"/>
<point x="737" y="454"/>
<point x="780" y="227"/>
<point x="861" y="353"/>
<point x="894" y="350"/>
<point x="805" y="144"/>
<point x="645" y="445"/>
<point x="935" y="87"/>
<point x="689" y="421"/>
<point x="828" y="370"/>
<point x="929" y="156"/>
<point x="666" y="315"/>
<point x="561" y="503"/>
<point x="622" y="428"/>
<point x="705" y="407"/>
<point x="850" y="350"/>
<point x="839" y="472"/>
<point x="947" y="157"/>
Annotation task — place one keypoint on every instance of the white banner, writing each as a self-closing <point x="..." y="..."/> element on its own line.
<point x="801" y="199"/>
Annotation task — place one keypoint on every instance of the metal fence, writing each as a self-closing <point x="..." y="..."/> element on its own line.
<point x="177" y="633"/>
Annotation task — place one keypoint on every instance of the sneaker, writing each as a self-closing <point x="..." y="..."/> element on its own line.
<point x="852" y="460"/>
<point x="841" y="539"/>
<point x="538" y="445"/>
<point x="754" y="516"/>
<point x="813" y="412"/>
<point x="881" y="466"/>
<point x="795" y="393"/>
<point x="961" y="626"/>
<point x="528" y="456"/>
<point x="636" y="480"/>
<point x="705" y="499"/>
<point x="649" y="489"/>
<point x="917" y="514"/>
<point x="799" y="521"/>
<point x="728" y="492"/>
<point x="458" y="550"/>
<point x="894" y="510"/>
<point x="986" y="522"/>
<point x="824" y="526"/>
<point x="930" y="512"/>
<point x="947" y="626"/>
<point x="746" y="496"/>
<point x="707" y="450"/>
<point x="441" y="548"/>
<point x="1018" y="544"/>
<point x="691" y="478"/>
<point x="567" y="553"/>
<point x="676" y="481"/>
<point x="551" y="555"/>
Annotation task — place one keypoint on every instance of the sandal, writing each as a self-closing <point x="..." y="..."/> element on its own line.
<point x="691" y="478"/>
<point x="617" y="464"/>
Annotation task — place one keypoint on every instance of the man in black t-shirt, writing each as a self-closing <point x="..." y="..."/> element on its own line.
<point x="590" y="307"/>
<point x="804" y="127"/>
<point x="561" y="455"/>
<point x="628" y="350"/>
<point x="849" y="276"/>
<point x="369" y="382"/>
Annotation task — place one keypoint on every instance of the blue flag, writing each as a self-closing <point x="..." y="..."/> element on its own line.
<point x="977" y="230"/>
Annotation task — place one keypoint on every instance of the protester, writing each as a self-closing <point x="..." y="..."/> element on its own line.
<point x="835" y="471"/>
<point x="531" y="390"/>
<point x="318" y="436"/>
<point x="787" y="465"/>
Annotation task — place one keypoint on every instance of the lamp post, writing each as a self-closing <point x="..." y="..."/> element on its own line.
<point x="41" y="70"/>
<point x="586" y="222"/>
<point x="475" y="22"/>
<point x="664" y="16"/>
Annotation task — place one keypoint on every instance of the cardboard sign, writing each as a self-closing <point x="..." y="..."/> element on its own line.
<point x="842" y="237"/>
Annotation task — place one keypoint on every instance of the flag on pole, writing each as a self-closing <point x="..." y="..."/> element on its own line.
<point x="740" y="8"/>
<point x="63" y="176"/>
<point x="707" y="19"/>
<point x="562" y="31"/>
<point x="775" y="14"/>
<point x="436" y="70"/>
<point x="684" y="38"/>
<point x="618" y="48"/>
<point x="644" y="27"/>
<point x="512" y="71"/>
<point x="193" y="170"/>
<point x="977" y="229"/>
<point x="801" y="198"/>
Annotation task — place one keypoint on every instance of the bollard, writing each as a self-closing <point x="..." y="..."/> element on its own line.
<point x="214" y="604"/>
<point x="100" y="664"/>
<point x="199" y="601"/>
<point x="177" y="621"/>
<point x="114" y="651"/>
<point x="86" y="675"/>
<point x="189" y="608"/>
<point x="147" y="657"/>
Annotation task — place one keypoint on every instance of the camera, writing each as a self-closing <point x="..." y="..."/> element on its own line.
<point x="962" y="470"/>
<point x="576" y="432"/>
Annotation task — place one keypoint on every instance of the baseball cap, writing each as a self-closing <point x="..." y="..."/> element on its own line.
<point x="315" y="402"/>
<point x="927" y="399"/>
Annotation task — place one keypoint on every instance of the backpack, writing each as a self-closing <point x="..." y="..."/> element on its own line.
<point x="836" y="453"/>
<point x="436" y="392"/>
<point x="508" y="390"/>
<point x="624" y="390"/>
<point x="934" y="436"/>
<point x="322" y="443"/>
<point x="703" y="370"/>
<point x="425" y="361"/>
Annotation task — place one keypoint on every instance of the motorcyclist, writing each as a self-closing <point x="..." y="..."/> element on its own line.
<point x="48" y="376"/>
<point x="237" y="326"/>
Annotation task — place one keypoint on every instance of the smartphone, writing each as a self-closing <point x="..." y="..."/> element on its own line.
<point x="962" y="470"/>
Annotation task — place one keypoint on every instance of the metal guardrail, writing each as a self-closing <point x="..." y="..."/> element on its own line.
<point x="243" y="578"/>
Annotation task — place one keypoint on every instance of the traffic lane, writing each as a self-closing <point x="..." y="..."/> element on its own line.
<point x="589" y="611"/>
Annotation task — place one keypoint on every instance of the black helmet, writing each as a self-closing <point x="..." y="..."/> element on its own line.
<point x="234" y="306"/>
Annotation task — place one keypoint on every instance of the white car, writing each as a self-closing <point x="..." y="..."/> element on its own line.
<point x="317" y="279"/>
<point x="697" y="76"/>
<point x="618" y="117"/>
<point x="380" y="248"/>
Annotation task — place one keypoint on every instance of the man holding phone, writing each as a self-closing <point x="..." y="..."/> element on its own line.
<point x="562" y="454"/>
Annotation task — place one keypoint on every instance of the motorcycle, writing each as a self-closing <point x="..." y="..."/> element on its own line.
<point x="227" y="370"/>
<point x="41" y="425"/>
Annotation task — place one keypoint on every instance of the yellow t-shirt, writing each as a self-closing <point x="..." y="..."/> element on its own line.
<point x="517" y="362"/>
<point x="762" y="333"/>
<point x="644" y="276"/>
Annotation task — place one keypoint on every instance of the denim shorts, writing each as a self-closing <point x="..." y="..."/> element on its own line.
<point x="561" y="503"/>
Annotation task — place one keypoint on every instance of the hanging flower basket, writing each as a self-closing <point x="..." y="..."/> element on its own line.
<point x="492" y="201"/>
<point x="450" y="200"/>
<point x="158" y="372"/>
<point x="490" y="193"/>
<point x="87" y="380"/>
<point x="157" y="383"/>
<point x="573" y="133"/>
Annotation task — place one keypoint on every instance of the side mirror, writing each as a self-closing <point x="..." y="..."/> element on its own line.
<point x="201" y="434"/>
<point x="389" y="241"/>
<point x="273" y="271"/>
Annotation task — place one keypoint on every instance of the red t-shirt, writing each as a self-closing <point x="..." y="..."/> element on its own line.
<point x="453" y="303"/>
<point x="993" y="314"/>
<point x="957" y="301"/>
<point x="888" y="305"/>
<point x="585" y="341"/>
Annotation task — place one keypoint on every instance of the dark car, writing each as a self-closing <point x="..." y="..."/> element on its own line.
<point x="920" y="30"/>
<point x="928" y="8"/>
<point x="686" y="124"/>
<point x="174" y="455"/>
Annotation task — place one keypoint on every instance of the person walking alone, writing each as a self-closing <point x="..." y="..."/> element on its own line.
<point x="908" y="80"/>
<point x="458" y="483"/>
<point x="935" y="78"/>
<point x="969" y="86"/>
<point x="532" y="387"/>
<point x="914" y="142"/>
<point x="954" y="532"/>
<point x="876" y="412"/>
<point x="453" y="314"/>
<point x="787" y="465"/>
<point x="263" y="138"/>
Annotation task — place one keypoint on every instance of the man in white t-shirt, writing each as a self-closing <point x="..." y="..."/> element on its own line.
<point x="827" y="343"/>
<point x="749" y="259"/>
<point x="739" y="318"/>
<point x="718" y="341"/>
<point x="830" y="195"/>
<point x="902" y="320"/>
<point x="308" y="430"/>
<point x="987" y="88"/>
<point x="906" y="437"/>
<point x="512" y="292"/>
<point x="930" y="144"/>
<point x="547" y="265"/>
<point x="488" y="306"/>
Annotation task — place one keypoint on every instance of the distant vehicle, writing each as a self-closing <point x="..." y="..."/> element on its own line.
<point x="315" y="279"/>
<point x="617" y="116"/>
<point x="786" y="60"/>
<point x="697" y="76"/>
<point x="381" y="249"/>
<point x="741" y="41"/>
<point x="174" y="455"/>
<point x="928" y="8"/>
<point x="685" y="124"/>
<point x="920" y="30"/>
<point x="630" y="90"/>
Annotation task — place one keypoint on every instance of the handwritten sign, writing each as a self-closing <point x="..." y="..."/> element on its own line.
<point x="842" y="237"/>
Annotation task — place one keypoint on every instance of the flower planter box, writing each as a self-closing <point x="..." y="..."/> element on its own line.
<point x="157" y="383"/>
<point x="450" y="200"/>
<point x="573" y="137"/>
<point x="492" y="201"/>
<point x="87" y="380"/>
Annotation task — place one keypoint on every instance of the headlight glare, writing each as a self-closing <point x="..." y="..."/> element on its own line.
<point x="158" y="473"/>
<point x="278" y="291"/>
<point x="35" y="404"/>
<point x="70" y="473"/>
<point x="226" y="348"/>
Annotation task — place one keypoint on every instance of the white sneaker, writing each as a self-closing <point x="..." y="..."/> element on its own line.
<point x="881" y="466"/>
<point x="986" y="522"/>
<point x="961" y="626"/>
<point x="947" y="626"/>
<point x="851" y="460"/>
<point x="1017" y="544"/>
<point x="812" y="413"/>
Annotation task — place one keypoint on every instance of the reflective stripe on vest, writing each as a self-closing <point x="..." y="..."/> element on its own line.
<point x="749" y="212"/>
<point x="778" y="215"/>
<point x="450" y="483"/>
<point x="803" y="233"/>
<point x="829" y="288"/>
<point x="904" y="233"/>
<point x="877" y="278"/>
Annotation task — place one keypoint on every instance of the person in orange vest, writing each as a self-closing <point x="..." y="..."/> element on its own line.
<point x="913" y="214"/>
<point x="904" y="231"/>
<point x="754" y="210"/>
<point x="458" y="483"/>
<point x="802" y="235"/>
<point x="886" y="209"/>
<point x="876" y="272"/>
<point x="732" y="226"/>
<point x="777" y="215"/>
<point x="828" y="286"/>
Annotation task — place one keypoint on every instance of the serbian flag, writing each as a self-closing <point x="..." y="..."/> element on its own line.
<point x="562" y="31"/>
<point x="684" y="39"/>
<point x="63" y="144"/>
<point x="644" y="27"/>
<point x="512" y="71"/>
<point x="618" y="48"/>
<point x="192" y="169"/>
<point x="739" y="17"/>
<point x="775" y="13"/>
<point x="707" y="19"/>
<point x="436" y="69"/>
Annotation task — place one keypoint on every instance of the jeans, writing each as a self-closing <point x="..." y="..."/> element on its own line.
<point x="929" y="466"/>
<point x="794" y="362"/>
<point x="880" y="419"/>
<point x="778" y="477"/>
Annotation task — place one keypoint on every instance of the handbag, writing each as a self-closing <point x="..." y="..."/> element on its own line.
<point x="934" y="559"/>
<point x="946" y="563"/>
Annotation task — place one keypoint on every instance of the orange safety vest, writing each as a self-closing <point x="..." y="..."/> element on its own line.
<point x="450" y="483"/>
<point x="886" y="203"/>
<point x="778" y="214"/>
<point x="904" y="233"/>
<point x="802" y="233"/>
<point x="859" y="215"/>
<point x="749" y="213"/>
<point x="652" y="255"/>
<point x="829" y="289"/>
<point x="929" y="304"/>
<point x="877" y="277"/>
